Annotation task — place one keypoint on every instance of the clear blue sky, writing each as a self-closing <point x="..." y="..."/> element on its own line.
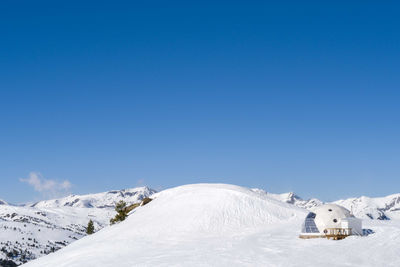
<point x="292" y="96"/>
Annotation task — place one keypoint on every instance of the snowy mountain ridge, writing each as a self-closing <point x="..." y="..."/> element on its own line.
<point x="381" y="208"/>
<point x="98" y="200"/>
<point x="294" y="199"/>
<point x="378" y="208"/>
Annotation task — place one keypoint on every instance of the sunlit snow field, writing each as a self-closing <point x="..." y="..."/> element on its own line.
<point x="223" y="225"/>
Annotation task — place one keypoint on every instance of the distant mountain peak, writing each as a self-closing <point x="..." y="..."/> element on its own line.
<point x="291" y="198"/>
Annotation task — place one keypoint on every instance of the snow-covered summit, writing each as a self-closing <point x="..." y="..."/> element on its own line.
<point x="2" y="202"/>
<point x="294" y="199"/>
<point x="214" y="207"/>
<point x="99" y="200"/>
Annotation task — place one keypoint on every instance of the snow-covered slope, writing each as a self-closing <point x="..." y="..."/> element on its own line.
<point x="28" y="233"/>
<point x="31" y="231"/>
<point x="222" y="225"/>
<point x="205" y="214"/>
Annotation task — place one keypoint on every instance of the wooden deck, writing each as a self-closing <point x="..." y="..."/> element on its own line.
<point x="330" y="233"/>
<point x="337" y="233"/>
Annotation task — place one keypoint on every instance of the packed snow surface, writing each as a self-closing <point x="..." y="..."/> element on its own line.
<point x="222" y="225"/>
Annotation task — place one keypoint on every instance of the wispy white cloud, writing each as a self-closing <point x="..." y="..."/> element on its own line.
<point x="47" y="187"/>
<point x="140" y="182"/>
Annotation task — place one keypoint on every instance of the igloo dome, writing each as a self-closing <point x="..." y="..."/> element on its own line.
<point x="331" y="221"/>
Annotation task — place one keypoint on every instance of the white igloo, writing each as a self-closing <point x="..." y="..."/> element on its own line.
<point x="330" y="221"/>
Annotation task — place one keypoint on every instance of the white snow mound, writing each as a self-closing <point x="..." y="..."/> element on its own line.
<point x="190" y="212"/>
<point x="211" y="208"/>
